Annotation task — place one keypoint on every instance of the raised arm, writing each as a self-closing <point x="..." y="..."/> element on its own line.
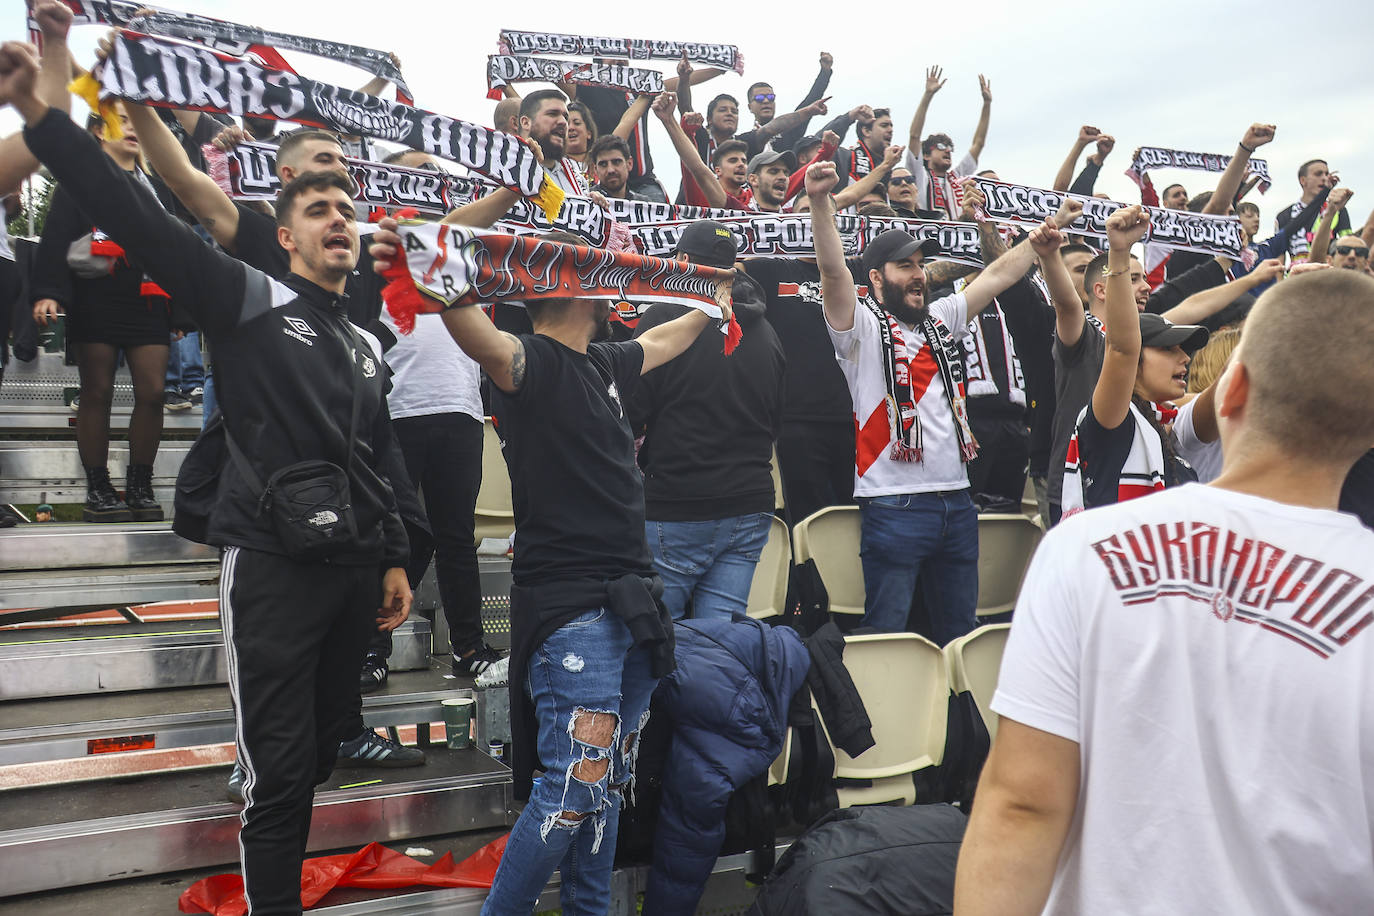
<point x="1326" y="225"/>
<point x="684" y="87"/>
<point x="483" y="211"/>
<point x="1207" y="303"/>
<point x="792" y="120"/>
<point x="838" y="298"/>
<point x="855" y="191"/>
<point x="55" y="71"/>
<point x="1007" y="269"/>
<point x="1086" y="136"/>
<point x="1068" y="308"/>
<point x="918" y="121"/>
<point x="980" y="133"/>
<point x="1112" y="394"/>
<point x="207" y="202"/>
<point x="626" y="125"/>
<point x="1222" y="198"/>
<point x="668" y="340"/>
<point x="830" y="142"/>
<point x="697" y="170"/>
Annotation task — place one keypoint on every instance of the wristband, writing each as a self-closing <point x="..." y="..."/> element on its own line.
<point x="1108" y="274"/>
<point x="1248" y="149"/>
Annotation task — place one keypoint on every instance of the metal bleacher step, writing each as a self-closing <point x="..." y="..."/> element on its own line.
<point x="75" y="727"/>
<point x="50" y="470"/>
<point x="72" y="834"/>
<point x="80" y="660"/>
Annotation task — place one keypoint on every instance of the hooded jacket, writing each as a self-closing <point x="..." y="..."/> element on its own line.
<point x="709" y="420"/>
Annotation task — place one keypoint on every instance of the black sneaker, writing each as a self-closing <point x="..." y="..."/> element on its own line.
<point x="234" y="790"/>
<point x="476" y="663"/>
<point x="372" y="750"/>
<point x="373" y="675"/>
<point x="175" y="400"/>
<point x="197" y="396"/>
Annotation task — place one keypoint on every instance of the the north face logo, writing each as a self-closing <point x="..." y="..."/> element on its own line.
<point x="323" y="518"/>
<point x="297" y="328"/>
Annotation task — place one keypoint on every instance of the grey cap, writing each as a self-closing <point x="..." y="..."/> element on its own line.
<point x="769" y="156"/>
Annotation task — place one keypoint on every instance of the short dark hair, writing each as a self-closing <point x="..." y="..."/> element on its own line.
<point x="309" y="181"/>
<point x="1247" y="206"/>
<point x="877" y="113"/>
<point x="1199" y="201"/>
<point x="292" y="141"/>
<point x="609" y="142"/>
<point x="723" y="97"/>
<point x="753" y="86"/>
<point x="1077" y="248"/>
<point x="537" y="308"/>
<point x="728" y="147"/>
<point x="1093" y="274"/>
<point x="1302" y="169"/>
<point x="929" y="142"/>
<point x="876" y="209"/>
<point x="531" y="104"/>
<point x="1168" y="188"/>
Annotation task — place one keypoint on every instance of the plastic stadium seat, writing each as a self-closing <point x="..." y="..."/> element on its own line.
<point x="495" y="518"/>
<point x="830" y="536"/>
<point x="1005" y="545"/>
<point x="904" y="683"/>
<point x="974" y="662"/>
<point x="768" y="591"/>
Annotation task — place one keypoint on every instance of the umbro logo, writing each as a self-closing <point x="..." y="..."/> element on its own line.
<point x="297" y="328"/>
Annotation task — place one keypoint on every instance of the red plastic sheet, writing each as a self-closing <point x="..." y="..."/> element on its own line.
<point x="373" y="866"/>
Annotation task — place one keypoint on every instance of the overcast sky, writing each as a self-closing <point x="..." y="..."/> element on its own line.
<point x="1175" y="74"/>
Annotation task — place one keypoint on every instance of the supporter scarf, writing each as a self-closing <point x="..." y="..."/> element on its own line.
<point x="903" y="419"/>
<point x="232" y="38"/>
<point x="788" y="235"/>
<point x="1141" y="474"/>
<point x="860" y="161"/>
<point x="726" y="57"/>
<point x="1176" y="229"/>
<point x="504" y="69"/>
<point x="978" y="369"/>
<point x="166" y="74"/>
<point x="249" y="172"/>
<point x="1157" y="157"/>
<point x="440" y="267"/>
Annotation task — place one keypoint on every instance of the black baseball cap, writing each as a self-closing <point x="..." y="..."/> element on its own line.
<point x="708" y="242"/>
<point x="770" y="156"/>
<point x="894" y="245"/>
<point x="1158" y="331"/>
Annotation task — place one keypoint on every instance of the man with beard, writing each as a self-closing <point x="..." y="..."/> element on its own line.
<point x="768" y="175"/>
<point x="902" y="361"/>
<point x="544" y="122"/>
<point x="874" y="137"/>
<point x="612" y="162"/>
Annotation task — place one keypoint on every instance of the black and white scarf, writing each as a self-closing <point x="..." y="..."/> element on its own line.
<point x="904" y="421"/>
<point x="504" y="69"/>
<point x="726" y="57"/>
<point x="1176" y="229"/>
<point x="978" y="367"/>
<point x="1158" y="157"/>
<point x="231" y="37"/>
<point x="860" y="161"/>
<point x="167" y="74"/>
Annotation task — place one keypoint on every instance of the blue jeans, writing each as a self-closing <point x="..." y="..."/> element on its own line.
<point x="899" y="535"/>
<point x="208" y="403"/>
<point x="185" y="369"/>
<point x="709" y="564"/>
<point x="591" y="696"/>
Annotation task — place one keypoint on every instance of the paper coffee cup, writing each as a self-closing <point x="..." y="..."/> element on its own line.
<point x="457" y="714"/>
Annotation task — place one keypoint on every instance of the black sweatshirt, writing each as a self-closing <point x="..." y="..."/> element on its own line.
<point x="286" y="356"/>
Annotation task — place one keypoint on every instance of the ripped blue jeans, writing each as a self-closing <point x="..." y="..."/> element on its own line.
<point x="591" y="695"/>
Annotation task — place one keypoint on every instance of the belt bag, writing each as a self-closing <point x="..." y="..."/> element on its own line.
<point x="86" y="265"/>
<point x="310" y="502"/>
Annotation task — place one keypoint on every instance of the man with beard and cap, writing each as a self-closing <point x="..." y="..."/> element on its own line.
<point x="768" y="173"/>
<point x="902" y="361"/>
<point x="709" y="423"/>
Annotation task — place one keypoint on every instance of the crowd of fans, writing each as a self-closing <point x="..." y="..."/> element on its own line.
<point x="924" y="390"/>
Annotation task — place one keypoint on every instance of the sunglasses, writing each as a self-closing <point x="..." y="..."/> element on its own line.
<point x="902" y="179"/>
<point x="765" y="96"/>
<point x="944" y="147"/>
<point x="1352" y="249"/>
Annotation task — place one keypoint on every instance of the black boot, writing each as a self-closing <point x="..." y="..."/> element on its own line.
<point x="102" y="502"/>
<point x="139" y="494"/>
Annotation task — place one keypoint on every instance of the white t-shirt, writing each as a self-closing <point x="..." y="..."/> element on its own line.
<point x="1205" y="457"/>
<point x="430" y="374"/>
<point x="1207" y="651"/>
<point x="925" y="196"/>
<point x="860" y="355"/>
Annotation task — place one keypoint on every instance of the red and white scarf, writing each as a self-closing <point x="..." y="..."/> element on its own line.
<point x="1141" y="475"/>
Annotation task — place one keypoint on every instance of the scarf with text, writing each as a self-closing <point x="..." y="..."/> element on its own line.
<point x="977" y="366"/>
<point x="904" y="421"/>
<point x="1148" y="158"/>
<point x="860" y="161"/>
<point x="249" y="172"/>
<point x="1141" y="474"/>
<point x="726" y="57"/>
<point x="504" y="69"/>
<point x="166" y="74"/>
<point x="1176" y="229"/>
<point x="441" y="267"/>
<point x="232" y="38"/>
<point x="788" y="235"/>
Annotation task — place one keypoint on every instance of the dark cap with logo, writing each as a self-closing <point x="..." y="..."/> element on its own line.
<point x="894" y="245"/>
<point x="708" y="242"/>
<point x="1158" y="331"/>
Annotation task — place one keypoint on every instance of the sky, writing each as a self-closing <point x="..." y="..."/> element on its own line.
<point x="1174" y="74"/>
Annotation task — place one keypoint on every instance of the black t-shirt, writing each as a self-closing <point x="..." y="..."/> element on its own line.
<point x="1357" y="494"/>
<point x="1102" y="454"/>
<point x="577" y="493"/>
<point x="256" y="245"/>
<point x="814" y="387"/>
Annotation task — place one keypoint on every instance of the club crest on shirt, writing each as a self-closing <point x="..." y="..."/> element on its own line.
<point x="614" y="392"/>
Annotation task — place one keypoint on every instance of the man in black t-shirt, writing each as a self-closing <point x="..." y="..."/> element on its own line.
<point x="588" y="635"/>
